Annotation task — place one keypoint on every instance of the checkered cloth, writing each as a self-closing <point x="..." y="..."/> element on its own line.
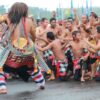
<point x="77" y="63"/>
<point x="69" y="53"/>
<point x="47" y="54"/>
<point x="61" y="68"/>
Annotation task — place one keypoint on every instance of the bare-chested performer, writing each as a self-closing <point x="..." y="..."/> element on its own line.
<point x="85" y="26"/>
<point x="54" y="27"/>
<point x="96" y="48"/>
<point x="78" y="47"/>
<point x="69" y="25"/>
<point x="60" y="59"/>
<point x="92" y="47"/>
<point x="41" y="39"/>
<point x="41" y="32"/>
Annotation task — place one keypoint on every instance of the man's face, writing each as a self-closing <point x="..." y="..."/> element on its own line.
<point x="39" y="23"/>
<point x="45" y="23"/>
<point x="69" y="25"/>
<point x="84" y="19"/>
<point x="64" y="23"/>
<point x="77" y="37"/>
<point x="53" y="23"/>
<point x="53" y="14"/>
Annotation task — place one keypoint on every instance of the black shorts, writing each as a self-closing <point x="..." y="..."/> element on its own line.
<point x="21" y="71"/>
<point x="88" y="62"/>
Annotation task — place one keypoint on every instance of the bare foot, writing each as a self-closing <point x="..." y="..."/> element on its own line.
<point x="3" y="91"/>
<point x="49" y="72"/>
<point x="82" y="80"/>
<point x="51" y="78"/>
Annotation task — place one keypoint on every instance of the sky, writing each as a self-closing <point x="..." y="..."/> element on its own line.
<point x="51" y="4"/>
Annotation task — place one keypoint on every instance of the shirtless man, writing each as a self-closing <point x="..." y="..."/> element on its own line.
<point x="85" y="26"/>
<point x="55" y="45"/>
<point x="53" y="27"/>
<point x="95" y="48"/>
<point x="41" y="32"/>
<point x="71" y="27"/>
<point x="78" y="47"/>
<point x="53" y="14"/>
<point x="71" y="24"/>
<point x="66" y="30"/>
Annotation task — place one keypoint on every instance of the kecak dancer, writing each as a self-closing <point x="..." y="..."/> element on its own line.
<point x="41" y="32"/>
<point x="60" y="60"/>
<point x="41" y="39"/>
<point x="21" y="40"/>
<point x="95" y="49"/>
<point x="79" y="59"/>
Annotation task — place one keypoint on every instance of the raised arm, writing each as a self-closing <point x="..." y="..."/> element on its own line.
<point x="76" y="17"/>
<point x="49" y="46"/>
<point x="91" y="50"/>
<point x="95" y="47"/>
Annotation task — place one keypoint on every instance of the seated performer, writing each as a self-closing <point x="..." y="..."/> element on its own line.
<point x="79" y="60"/>
<point x="95" y="47"/>
<point x="59" y="57"/>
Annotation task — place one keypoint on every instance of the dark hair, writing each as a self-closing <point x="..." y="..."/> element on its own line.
<point x="98" y="29"/>
<point x="17" y="11"/>
<point x="70" y="19"/>
<point x="43" y="19"/>
<point x="87" y="17"/>
<point x="38" y="20"/>
<point x="94" y="15"/>
<point x="51" y="19"/>
<point x="88" y="30"/>
<point x="50" y="35"/>
<point x="74" y="33"/>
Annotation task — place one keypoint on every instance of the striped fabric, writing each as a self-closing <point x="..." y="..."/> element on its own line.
<point x="41" y="61"/>
<point x="38" y="77"/>
<point x="69" y="53"/>
<point x="2" y="81"/>
<point x="61" y="67"/>
<point x="4" y="52"/>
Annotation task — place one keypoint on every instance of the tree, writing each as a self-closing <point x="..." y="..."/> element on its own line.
<point x="2" y="9"/>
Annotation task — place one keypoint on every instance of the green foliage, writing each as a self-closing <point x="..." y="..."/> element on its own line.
<point x="79" y="11"/>
<point x="2" y="9"/>
<point x="38" y="13"/>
